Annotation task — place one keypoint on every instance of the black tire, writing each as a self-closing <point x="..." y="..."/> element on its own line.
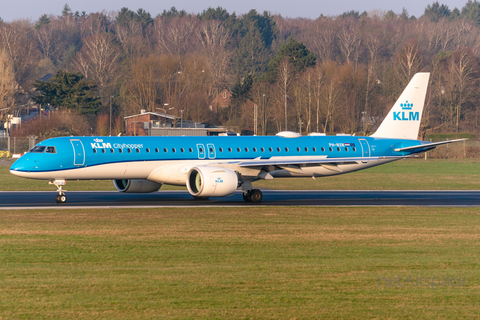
<point x="246" y="197"/>
<point x="200" y="198"/>
<point x="61" y="198"/>
<point x="256" y="196"/>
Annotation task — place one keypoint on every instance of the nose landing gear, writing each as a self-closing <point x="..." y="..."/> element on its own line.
<point x="60" y="197"/>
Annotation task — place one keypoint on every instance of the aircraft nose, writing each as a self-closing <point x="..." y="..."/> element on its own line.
<point x="18" y="166"/>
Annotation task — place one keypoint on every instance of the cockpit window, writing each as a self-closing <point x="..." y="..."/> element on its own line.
<point x="38" y="149"/>
<point x="51" y="150"/>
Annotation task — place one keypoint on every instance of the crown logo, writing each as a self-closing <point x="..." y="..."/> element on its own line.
<point x="406" y="105"/>
<point x="98" y="140"/>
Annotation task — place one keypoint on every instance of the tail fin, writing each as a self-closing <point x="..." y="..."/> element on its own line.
<point x="403" y="120"/>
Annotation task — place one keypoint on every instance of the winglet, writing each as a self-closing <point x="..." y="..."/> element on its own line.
<point x="403" y="120"/>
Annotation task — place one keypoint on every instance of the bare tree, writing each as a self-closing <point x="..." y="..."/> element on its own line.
<point x="8" y="85"/>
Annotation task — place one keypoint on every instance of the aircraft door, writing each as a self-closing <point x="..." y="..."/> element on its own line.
<point x="201" y="151"/>
<point x="211" y="151"/>
<point x="78" y="152"/>
<point x="365" y="148"/>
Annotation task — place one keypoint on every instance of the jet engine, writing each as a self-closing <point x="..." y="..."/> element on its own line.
<point x="136" y="185"/>
<point x="211" y="182"/>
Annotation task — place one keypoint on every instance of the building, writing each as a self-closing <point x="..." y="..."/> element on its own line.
<point x="161" y="124"/>
<point x="221" y="100"/>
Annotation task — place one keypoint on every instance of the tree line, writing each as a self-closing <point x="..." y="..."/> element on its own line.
<point x="330" y="74"/>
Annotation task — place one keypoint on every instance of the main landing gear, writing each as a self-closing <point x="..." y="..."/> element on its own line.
<point x="254" y="196"/>
<point x="250" y="194"/>
<point x="60" y="197"/>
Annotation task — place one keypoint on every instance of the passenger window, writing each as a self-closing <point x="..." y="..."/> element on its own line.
<point x="201" y="149"/>
<point x="338" y="148"/>
<point x="323" y="149"/>
<point x="138" y="150"/>
<point x="129" y="150"/>
<point x="229" y="149"/>
<point x="278" y="149"/>
<point x="263" y="150"/>
<point x="182" y="150"/>
<point x="238" y="149"/>
<point x="211" y="150"/>
<point x="286" y="149"/>
<point x="51" y="150"/>
<point x="148" y="150"/>
<point x="270" y="149"/>
<point x="94" y="151"/>
<point x="173" y="150"/>
<point x="330" y="149"/>
<point x="254" y="149"/>
<point x="221" y="149"/>
<point x="165" y="150"/>
<point x="346" y="149"/>
<point x="156" y="150"/>
<point x="314" y="149"/>
<point x="298" y="149"/>
<point x="112" y="151"/>
<point x="306" y="149"/>
<point x="354" y="149"/>
<point x="246" y="149"/>
<point x="38" y="149"/>
<point x="190" y="149"/>
<point x="120" y="150"/>
<point x="103" y="150"/>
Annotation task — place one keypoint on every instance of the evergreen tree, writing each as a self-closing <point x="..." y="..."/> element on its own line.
<point x="124" y="17"/>
<point x="435" y="12"/>
<point x="143" y="17"/>
<point x="66" y="10"/>
<point x="471" y="11"/>
<point x="254" y="50"/>
<point x="298" y="55"/>
<point x="42" y="21"/>
<point x="353" y="14"/>
<point x="68" y="90"/>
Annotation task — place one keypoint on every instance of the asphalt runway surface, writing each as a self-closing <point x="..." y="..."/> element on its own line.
<point x="113" y="199"/>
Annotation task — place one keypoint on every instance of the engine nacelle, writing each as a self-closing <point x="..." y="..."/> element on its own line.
<point x="136" y="185"/>
<point x="211" y="182"/>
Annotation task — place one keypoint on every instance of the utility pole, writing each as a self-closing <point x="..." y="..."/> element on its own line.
<point x="111" y="115"/>
<point x="264" y="119"/>
<point x="364" y="113"/>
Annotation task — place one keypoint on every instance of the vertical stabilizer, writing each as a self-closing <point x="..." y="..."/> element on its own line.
<point x="403" y="120"/>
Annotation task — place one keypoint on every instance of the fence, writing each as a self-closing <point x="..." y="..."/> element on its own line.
<point x="14" y="145"/>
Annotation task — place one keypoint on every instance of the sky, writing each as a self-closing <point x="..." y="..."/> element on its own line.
<point x="32" y="9"/>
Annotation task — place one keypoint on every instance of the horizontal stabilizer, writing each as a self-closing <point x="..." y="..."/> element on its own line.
<point x="428" y="145"/>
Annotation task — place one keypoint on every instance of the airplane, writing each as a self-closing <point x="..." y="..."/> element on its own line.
<point x="215" y="166"/>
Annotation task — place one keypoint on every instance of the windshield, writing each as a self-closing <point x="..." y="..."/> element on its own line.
<point x="38" y="149"/>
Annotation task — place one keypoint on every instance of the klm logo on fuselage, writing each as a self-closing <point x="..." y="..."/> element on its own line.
<point x="406" y="115"/>
<point x="102" y="145"/>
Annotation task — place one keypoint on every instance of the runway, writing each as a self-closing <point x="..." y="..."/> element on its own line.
<point x="113" y="199"/>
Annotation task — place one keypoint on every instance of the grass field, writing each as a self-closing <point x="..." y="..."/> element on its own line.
<point x="414" y="174"/>
<point x="245" y="263"/>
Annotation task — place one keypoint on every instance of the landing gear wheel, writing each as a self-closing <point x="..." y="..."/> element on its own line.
<point x="256" y="196"/>
<point x="200" y="198"/>
<point x="61" y="198"/>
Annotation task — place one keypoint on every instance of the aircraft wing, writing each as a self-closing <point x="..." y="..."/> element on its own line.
<point x="428" y="145"/>
<point x="324" y="160"/>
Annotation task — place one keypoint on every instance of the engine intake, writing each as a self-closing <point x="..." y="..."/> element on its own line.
<point x="136" y="186"/>
<point x="211" y="182"/>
